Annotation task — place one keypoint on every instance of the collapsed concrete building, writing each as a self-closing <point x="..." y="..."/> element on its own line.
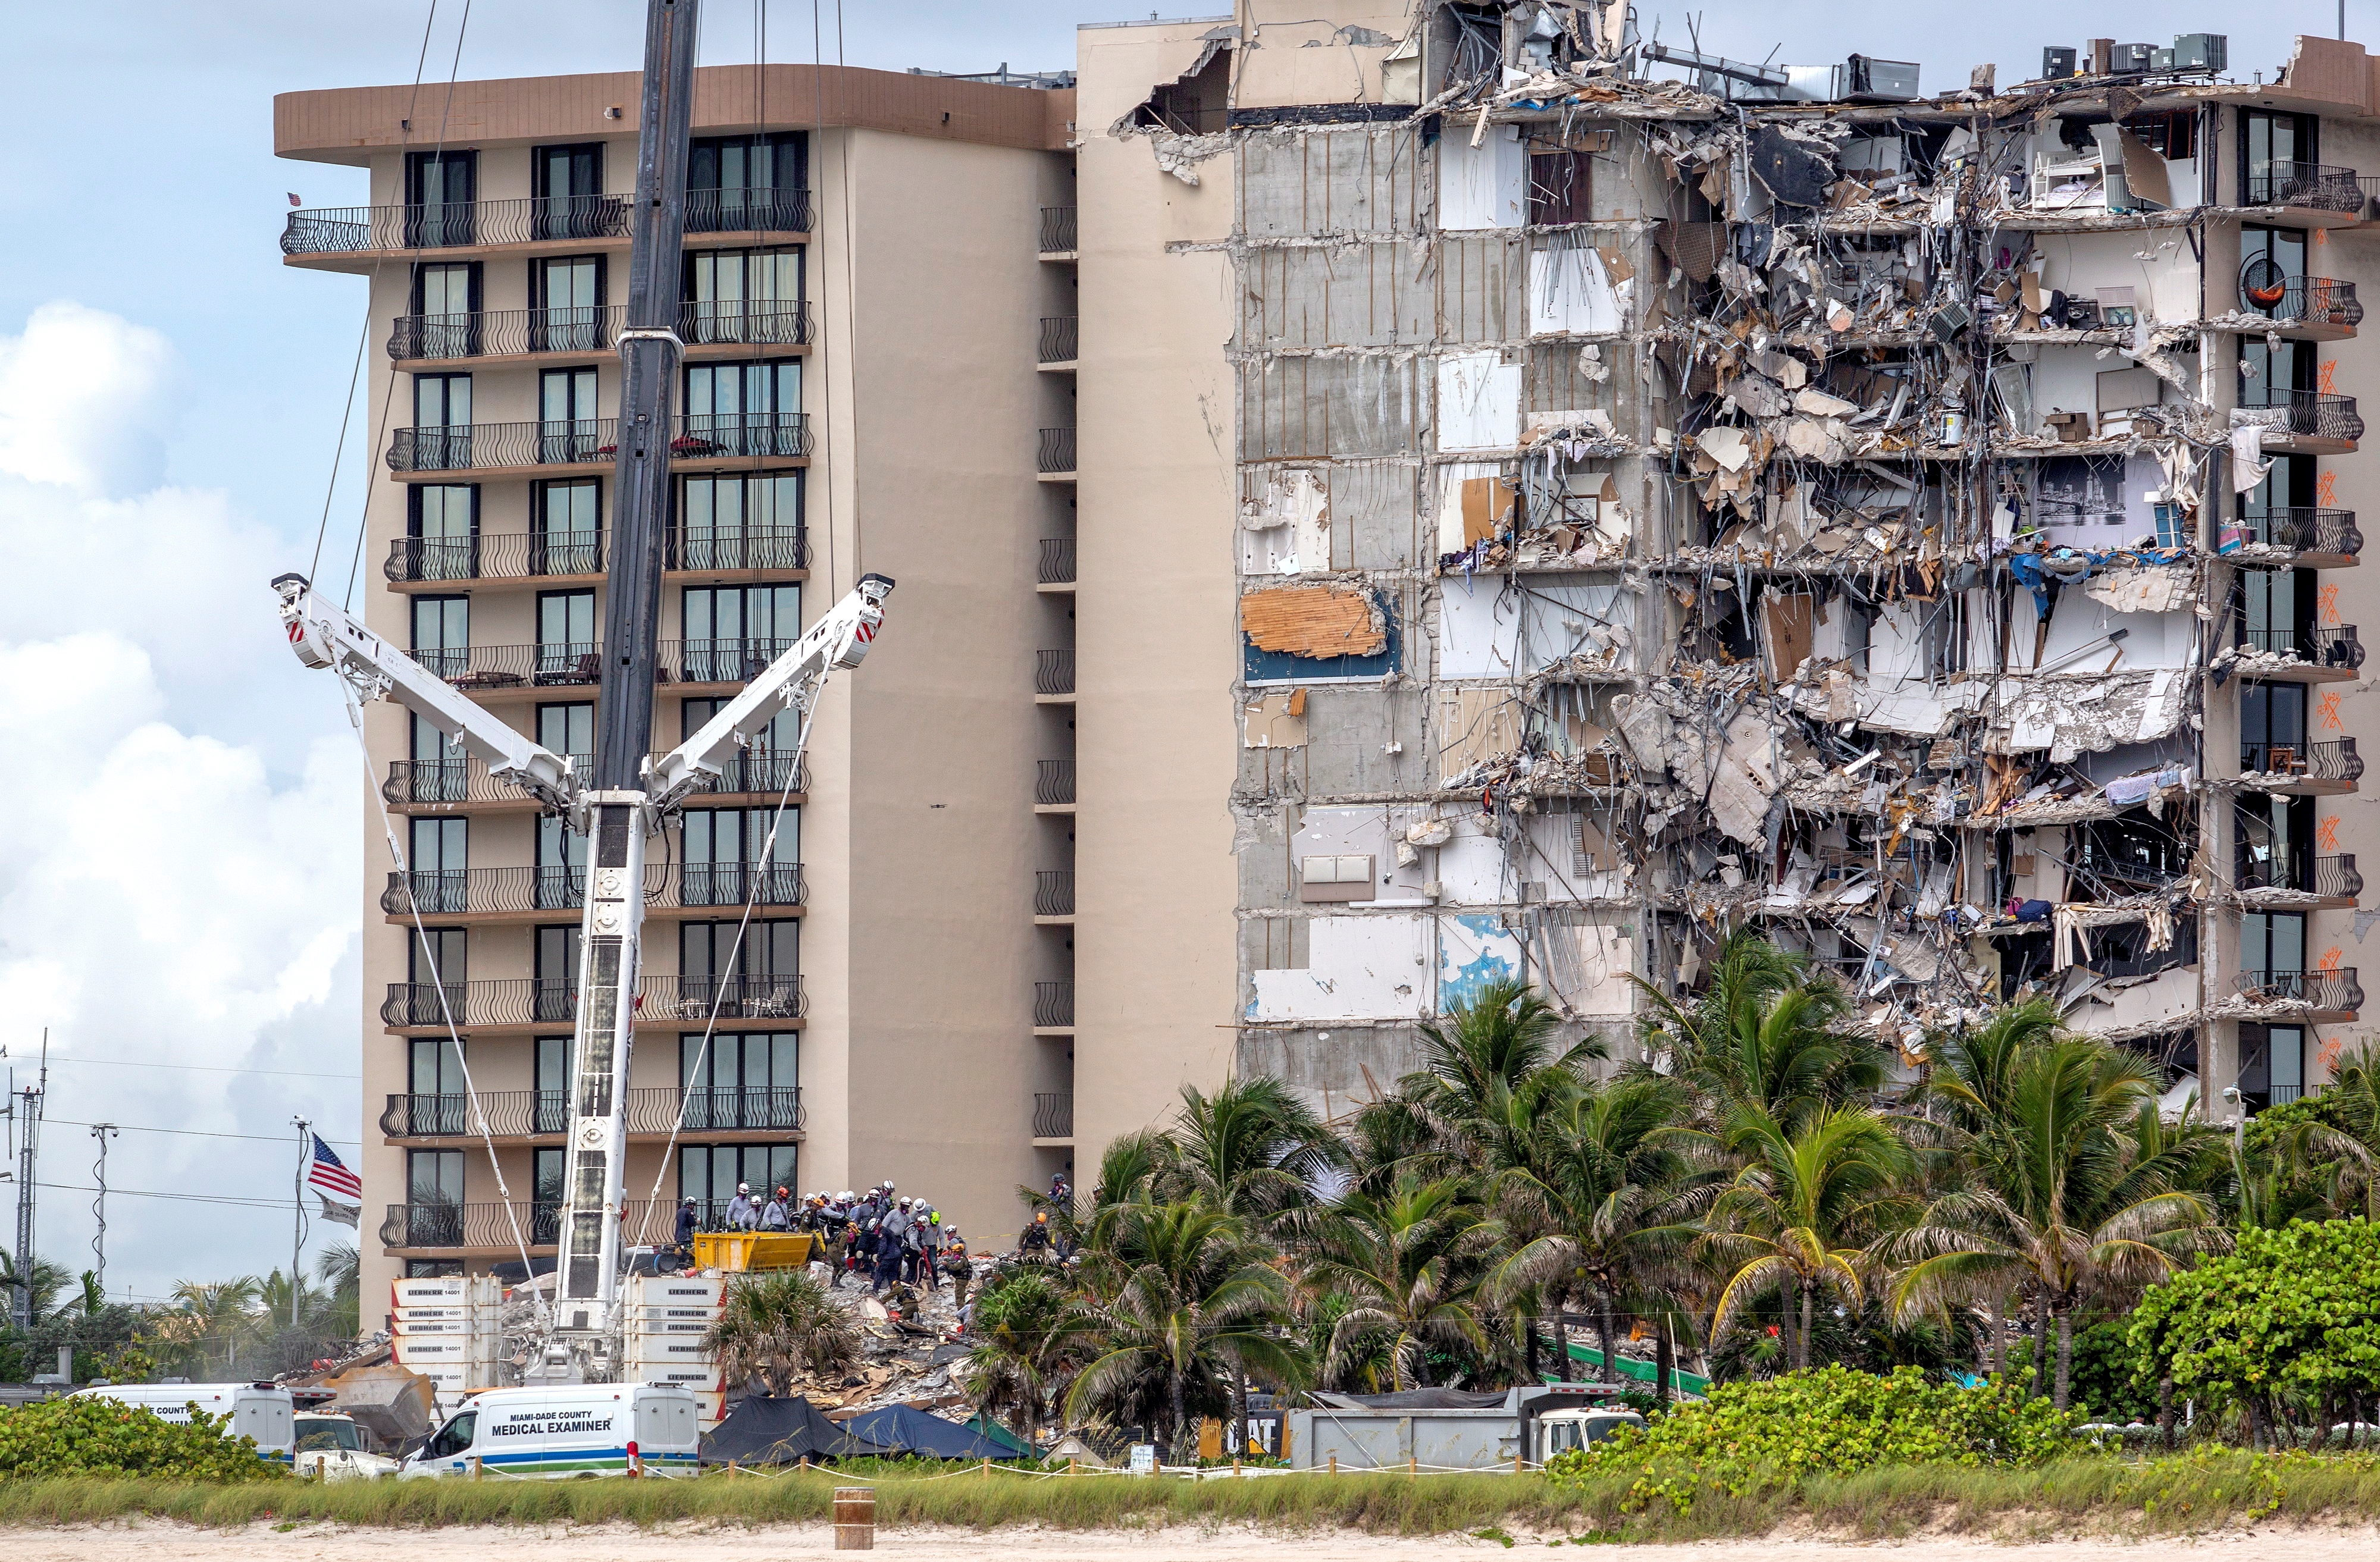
<point x="1920" y="527"/>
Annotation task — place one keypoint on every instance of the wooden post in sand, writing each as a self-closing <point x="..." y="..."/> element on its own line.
<point x="1334" y="1463"/>
<point x="855" y="1518"/>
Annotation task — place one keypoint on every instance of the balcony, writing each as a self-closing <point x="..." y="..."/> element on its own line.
<point x="2318" y="995"/>
<point x="1055" y="457"/>
<point x="716" y="661"/>
<point x="1053" y="671"/>
<point x="1054" y="782"/>
<point x="528" y="1114"/>
<point x="530" y="1002"/>
<point x="2287" y="876"/>
<point x="440" y="784"/>
<point x="2324" y="652"/>
<point x="2316" y="308"/>
<point x="1053" y="1005"/>
<point x="592" y="441"/>
<point x="574" y="219"/>
<point x="2300" y="536"/>
<point x="512" y="334"/>
<point x="1058" y="240"/>
<point x="559" y="664"/>
<point x="2306" y="768"/>
<point x="2314" y="423"/>
<point x="1058" y="334"/>
<point x="2313" y="186"/>
<point x="503" y="555"/>
<point x="712" y="549"/>
<point x="1053" y="892"/>
<point x="520" y="891"/>
<point x="1053" y="1115"/>
<point x="497" y="1228"/>
<point x="1056" y="561"/>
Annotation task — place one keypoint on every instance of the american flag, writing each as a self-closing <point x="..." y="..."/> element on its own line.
<point x="330" y="1174"/>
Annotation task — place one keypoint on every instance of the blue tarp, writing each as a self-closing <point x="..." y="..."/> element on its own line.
<point x="903" y="1430"/>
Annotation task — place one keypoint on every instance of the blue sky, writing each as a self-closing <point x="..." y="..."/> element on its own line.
<point x="180" y="885"/>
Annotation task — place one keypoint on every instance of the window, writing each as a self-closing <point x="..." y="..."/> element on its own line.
<point x="440" y="772"/>
<point x="431" y="1268"/>
<point x="2272" y="1065"/>
<point x="557" y="996"/>
<point x="445" y="300"/>
<point x="2131" y="854"/>
<point x="547" y="1169"/>
<point x="442" y="422"/>
<point x="737" y="184"/>
<point x="1335" y="878"/>
<point x="743" y="409"/>
<point x="2272" y="948"/>
<point x="2277" y="154"/>
<point x="739" y="521"/>
<point x="566" y="528"/>
<point x="436" y="1099"/>
<point x="2265" y="289"/>
<point x="2272" y="728"/>
<point x="439" y="189"/>
<point x="438" y="865"/>
<point x="2276" y="612"/>
<point x="568" y="430"/>
<point x="1559" y="185"/>
<point x="2274" y="374"/>
<point x="454" y="1439"/>
<point x="553" y="1084"/>
<point x="567" y="729"/>
<point x="708" y="1174"/>
<point x="732" y="632"/>
<point x="727" y="860"/>
<point x="568" y="184"/>
<point x="567" y="298"/>
<point x="441" y="529"/>
<point x="2275" y="841"/>
<point x="434" y="1198"/>
<point x="741" y="1080"/>
<point x="2173" y="137"/>
<point x="567" y="652"/>
<point x="442" y="634"/>
<point x="561" y="864"/>
<point x="438" y="975"/>
<point x="766" y="765"/>
<point x="757" y="978"/>
<point x="2279" y="508"/>
<point x="752" y="296"/>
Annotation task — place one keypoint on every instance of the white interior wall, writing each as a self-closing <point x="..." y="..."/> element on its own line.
<point x="1486" y="186"/>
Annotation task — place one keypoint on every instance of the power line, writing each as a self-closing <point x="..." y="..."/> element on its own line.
<point x="197" y="1067"/>
<point x="185" y="1198"/>
<point x="202" y="1132"/>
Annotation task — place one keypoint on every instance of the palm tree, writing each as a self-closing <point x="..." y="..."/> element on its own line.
<point x="2335" y="1147"/>
<point x="2076" y="1187"/>
<point x="1027" y="1349"/>
<point x="1409" y="1264"/>
<point x="338" y="1269"/>
<point x="47" y="1280"/>
<point x="210" y="1315"/>
<point x="1765" y="1036"/>
<point x="1488" y="1067"/>
<point x="778" y="1326"/>
<point x="1799" y="1211"/>
<point x="1604" y="1203"/>
<point x="1178" y="1295"/>
<point x="1251" y="1149"/>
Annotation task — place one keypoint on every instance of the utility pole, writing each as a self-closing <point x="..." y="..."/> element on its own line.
<point x="27" y="1103"/>
<point x="297" y="1206"/>
<point x="619" y="815"/>
<point x="102" y="1131"/>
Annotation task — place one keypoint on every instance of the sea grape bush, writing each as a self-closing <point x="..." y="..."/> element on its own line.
<point x="96" y="1437"/>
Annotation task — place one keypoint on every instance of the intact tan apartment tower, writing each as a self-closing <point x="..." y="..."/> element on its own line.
<point x="863" y="318"/>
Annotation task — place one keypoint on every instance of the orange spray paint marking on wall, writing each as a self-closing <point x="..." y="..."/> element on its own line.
<point x="2326" y="833"/>
<point x="2329" y="597"/>
<point x="2326" y="489"/>
<point x="2329" y="961"/>
<point x="2327" y="1055"/>
<point x="2329" y="706"/>
<point x="2326" y="376"/>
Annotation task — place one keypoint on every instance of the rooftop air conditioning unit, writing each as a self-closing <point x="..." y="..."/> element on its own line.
<point x="2202" y="50"/>
<point x="2133" y="59"/>
<point x="1890" y="80"/>
<point x="2057" y="65"/>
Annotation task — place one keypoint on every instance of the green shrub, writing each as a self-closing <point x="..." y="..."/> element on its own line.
<point x="1753" y="1436"/>
<point x="97" y="1436"/>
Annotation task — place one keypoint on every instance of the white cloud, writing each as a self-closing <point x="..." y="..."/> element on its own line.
<point x="179" y="882"/>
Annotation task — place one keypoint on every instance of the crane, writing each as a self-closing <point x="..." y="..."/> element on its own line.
<point x="629" y="794"/>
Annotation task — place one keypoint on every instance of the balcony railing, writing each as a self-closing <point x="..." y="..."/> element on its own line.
<point x="495" y="555"/>
<point x="1057" y="451"/>
<point x="2324" y="645"/>
<point x="2334" y="991"/>
<point x="522" y="1114"/>
<point x="747" y="210"/>
<point x="1053" y="892"/>
<point x="2311" y="414"/>
<point x="591" y="440"/>
<point x="741" y="548"/>
<point x="465" y="891"/>
<point x="495" y="1227"/>
<point x="1053" y="1115"/>
<point x="758" y="323"/>
<point x="2307" y="300"/>
<point x="2303" y="530"/>
<point x="543" y="1000"/>
<point x="1058" y="338"/>
<point x="1056" y="561"/>
<point x="2331" y="877"/>
<point x="2304" y="184"/>
<point x="1053" y="1003"/>
<point x="1057" y="230"/>
<point x="565" y="663"/>
<point x="766" y="771"/>
<point x="2335" y="760"/>
<point x="463" y="779"/>
<point x="1053" y="672"/>
<point x="338" y="230"/>
<point x="716" y="661"/>
<point x="1053" y="781"/>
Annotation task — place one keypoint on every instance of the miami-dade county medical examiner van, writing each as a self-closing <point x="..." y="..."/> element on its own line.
<point x="255" y="1410"/>
<point x="605" y="1428"/>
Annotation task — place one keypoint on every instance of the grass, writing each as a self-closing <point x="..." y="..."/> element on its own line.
<point x="2128" y="1497"/>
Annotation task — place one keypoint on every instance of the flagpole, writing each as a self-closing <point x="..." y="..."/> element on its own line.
<point x="298" y="1215"/>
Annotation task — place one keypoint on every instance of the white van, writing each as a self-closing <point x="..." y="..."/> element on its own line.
<point x="256" y="1410"/>
<point x="562" y="1431"/>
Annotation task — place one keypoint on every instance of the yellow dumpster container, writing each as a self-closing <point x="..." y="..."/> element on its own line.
<point x="734" y="1253"/>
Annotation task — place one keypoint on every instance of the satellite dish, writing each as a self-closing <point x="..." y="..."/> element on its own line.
<point x="2262" y="282"/>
